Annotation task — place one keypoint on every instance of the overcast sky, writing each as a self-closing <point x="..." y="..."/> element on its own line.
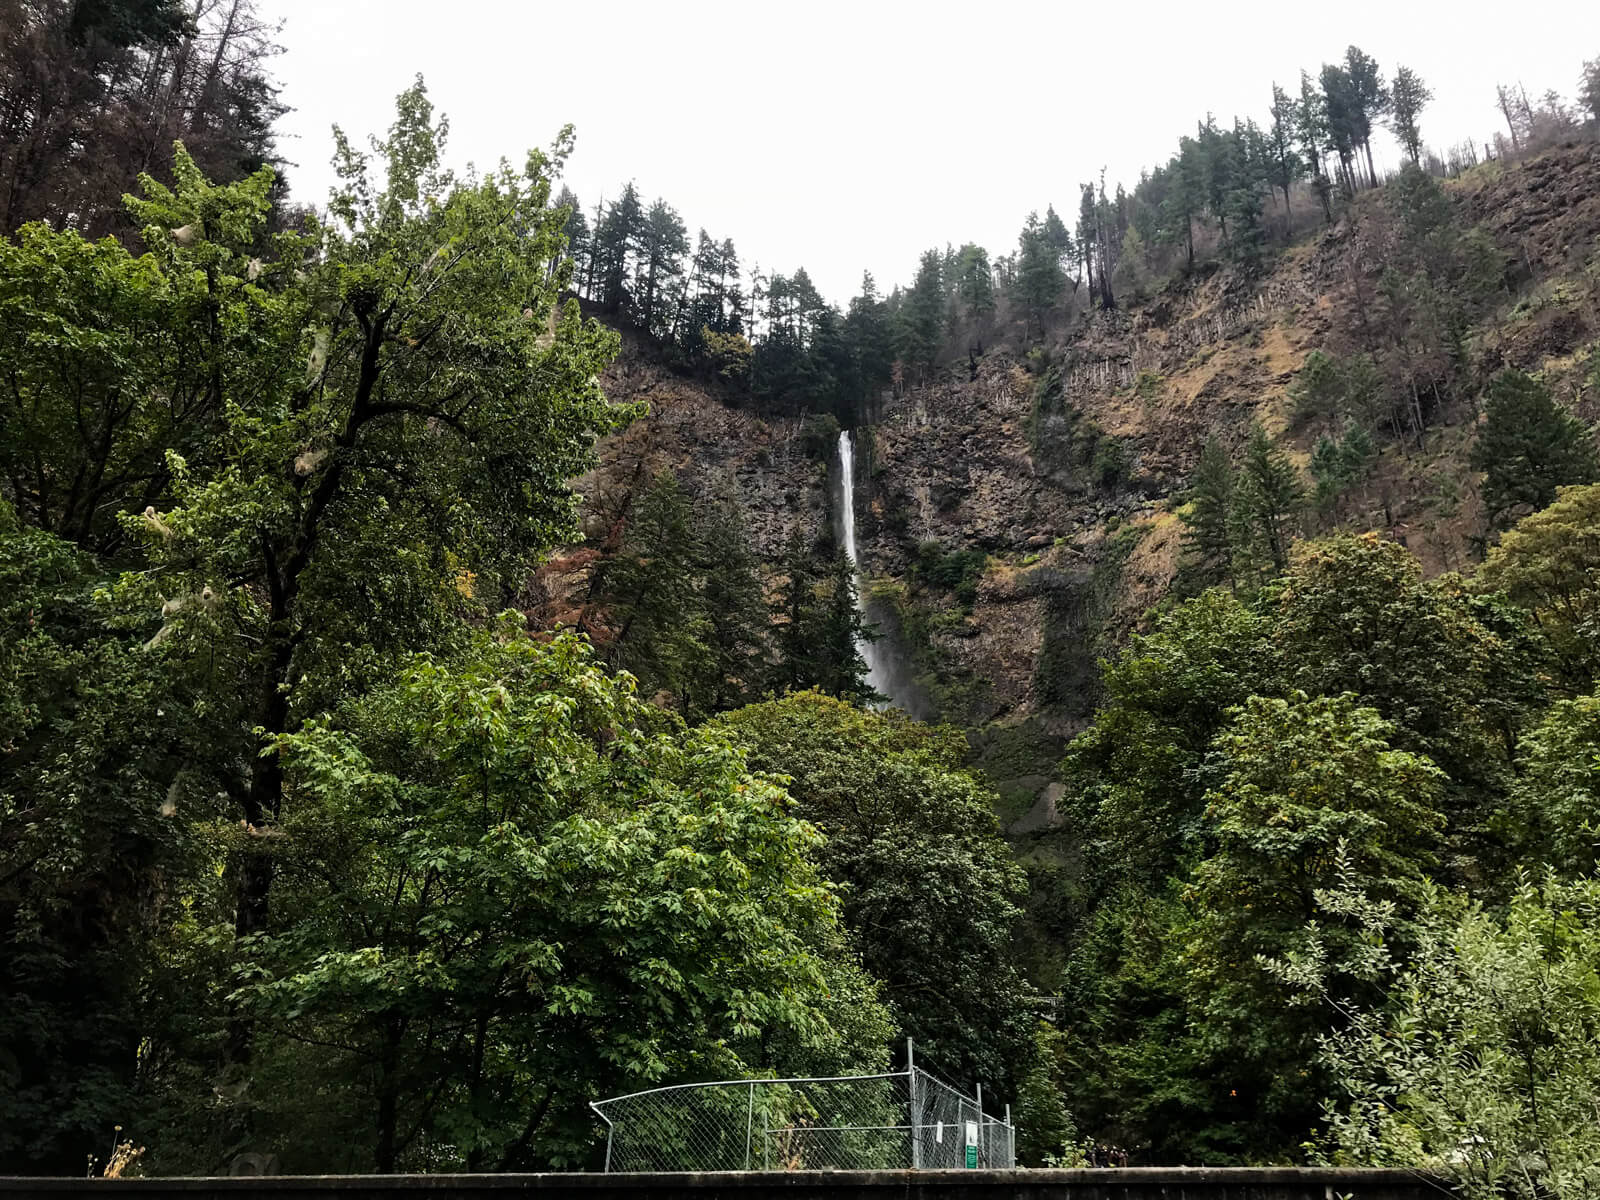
<point x="843" y="136"/>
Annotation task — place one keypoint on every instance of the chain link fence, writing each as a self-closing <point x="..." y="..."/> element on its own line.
<point x="902" y="1120"/>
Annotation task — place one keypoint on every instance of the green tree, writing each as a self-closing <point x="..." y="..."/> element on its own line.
<point x="1268" y="496"/>
<point x="1408" y="96"/>
<point x="1309" y="785"/>
<point x="398" y="416"/>
<point x="974" y="282"/>
<point x="732" y="597"/>
<point x="1457" y="675"/>
<point x="1207" y="536"/>
<point x="1482" y="1066"/>
<point x="1555" y="814"/>
<point x="1589" y="88"/>
<point x="617" y="238"/>
<point x="1548" y="564"/>
<point x="659" y="625"/>
<point x="663" y="242"/>
<point x="512" y="852"/>
<point x="1283" y="163"/>
<point x="929" y="888"/>
<point x="921" y="316"/>
<point x="1039" y="277"/>
<point x="1340" y="464"/>
<point x="1528" y="447"/>
<point x="1366" y="102"/>
<point x="100" y="793"/>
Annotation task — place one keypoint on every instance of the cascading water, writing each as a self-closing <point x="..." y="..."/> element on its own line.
<point x="876" y="676"/>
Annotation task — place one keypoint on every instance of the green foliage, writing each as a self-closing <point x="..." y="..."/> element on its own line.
<point x="1556" y="806"/>
<point x="1408" y="96"/>
<point x="1208" y="520"/>
<point x="819" y="437"/>
<point x="1338" y="466"/>
<point x="1528" y="447"/>
<point x="1235" y="750"/>
<point x="661" y="630"/>
<point x="929" y="888"/>
<point x="819" y="626"/>
<point x="512" y="853"/>
<point x="1046" y="1134"/>
<point x="1040" y="280"/>
<point x="955" y="571"/>
<point x="1482" y="1068"/>
<point x="1548" y="565"/>
<point x="1304" y="785"/>
<point x="1267" y="501"/>
<point x="97" y="801"/>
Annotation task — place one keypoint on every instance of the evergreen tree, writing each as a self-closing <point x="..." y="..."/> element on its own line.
<point x="1039" y="278"/>
<point x="1408" y="96"/>
<point x="1589" y="89"/>
<point x="1312" y="133"/>
<point x="617" y="240"/>
<point x="920" y="325"/>
<point x="1343" y="117"/>
<point x="839" y="668"/>
<point x="820" y="626"/>
<point x="1527" y="448"/>
<point x="974" y="281"/>
<point x="663" y="242"/>
<point x="1269" y="496"/>
<point x="734" y="605"/>
<point x="1207" y="536"/>
<point x="1368" y="101"/>
<point x="868" y="338"/>
<point x="1339" y="464"/>
<point x="659" y="624"/>
<point x="1283" y="163"/>
<point x="576" y="230"/>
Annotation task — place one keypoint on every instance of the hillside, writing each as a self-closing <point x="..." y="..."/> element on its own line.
<point x="1060" y="513"/>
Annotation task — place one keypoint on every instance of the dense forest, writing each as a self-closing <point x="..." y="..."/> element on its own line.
<point x="398" y="750"/>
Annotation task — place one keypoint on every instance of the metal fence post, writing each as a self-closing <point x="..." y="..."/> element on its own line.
<point x="1011" y="1141"/>
<point x="913" y="1109"/>
<point x="983" y="1157"/>
<point x="749" y="1122"/>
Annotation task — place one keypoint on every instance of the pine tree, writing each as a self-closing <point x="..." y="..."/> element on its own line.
<point x="1527" y="448"/>
<point x="1341" y="113"/>
<point x="840" y="669"/>
<point x="577" y="228"/>
<point x="617" y="237"/>
<point x="736" y="667"/>
<point x="1408" y="96"/>
<point x="1369" y="100"/>
<point x="1589" y="89"/>
<point x="919" y="327"/>
<point x="663" y="242"/>
<point x="1039" y="278"/>
<point x="1269" y="496"/>
<point x="650" y="590"/>
<point x="975" y="282"/>
<point x="1284" y="164"/>
<point x="1207" y="537"/>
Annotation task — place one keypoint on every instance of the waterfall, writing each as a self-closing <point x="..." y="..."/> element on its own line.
<point x="876" y="676"/>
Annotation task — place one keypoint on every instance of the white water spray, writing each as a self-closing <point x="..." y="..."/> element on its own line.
<point x="847" y="520"/>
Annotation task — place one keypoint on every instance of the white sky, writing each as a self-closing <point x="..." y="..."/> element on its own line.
<point x="842" y="136"/>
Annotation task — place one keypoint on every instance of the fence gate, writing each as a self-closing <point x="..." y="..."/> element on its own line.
<point x="897" y="1121"/>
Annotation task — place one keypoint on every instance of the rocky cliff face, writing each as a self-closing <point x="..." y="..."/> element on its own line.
<point x="1017" y="516"/>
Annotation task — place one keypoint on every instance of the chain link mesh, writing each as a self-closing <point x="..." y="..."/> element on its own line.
<point x="858" y="1123"/>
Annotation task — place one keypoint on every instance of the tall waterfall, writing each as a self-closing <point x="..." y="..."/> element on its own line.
<point x="876" y="676"/>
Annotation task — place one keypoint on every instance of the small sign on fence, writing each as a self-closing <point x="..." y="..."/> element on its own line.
<point x="972" y="1144"/>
